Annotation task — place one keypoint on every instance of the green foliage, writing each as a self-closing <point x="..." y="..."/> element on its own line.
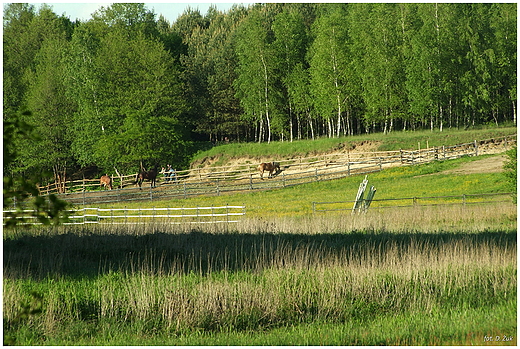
<point x="29" y="310"/>
<point x="125" y="86"/>
<point x="17" y="189"/>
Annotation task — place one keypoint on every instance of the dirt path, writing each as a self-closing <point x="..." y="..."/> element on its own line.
<point x="494" y="164"/>
<point x="488" y="165"/>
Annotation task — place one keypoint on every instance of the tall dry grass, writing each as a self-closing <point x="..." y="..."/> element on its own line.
<point x="262" y="274"/>
<point x="288" y="284"/>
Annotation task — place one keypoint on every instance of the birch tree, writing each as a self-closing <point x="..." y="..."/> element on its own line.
<point x="256" y="80"/>
<point x="332" y="74"/>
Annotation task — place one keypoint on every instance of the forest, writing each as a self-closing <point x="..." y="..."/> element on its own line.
<point x="127" y="86"/>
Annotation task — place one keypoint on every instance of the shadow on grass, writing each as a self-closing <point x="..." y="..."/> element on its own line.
<point x="87" y="253"/>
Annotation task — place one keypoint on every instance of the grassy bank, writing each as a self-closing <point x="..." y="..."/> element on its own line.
<point x="392" y="141"/>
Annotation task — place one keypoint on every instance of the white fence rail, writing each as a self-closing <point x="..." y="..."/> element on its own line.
<point x="169" y="215"/>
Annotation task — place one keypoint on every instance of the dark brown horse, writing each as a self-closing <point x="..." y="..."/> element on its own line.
<point x="272" y="167"/>
<point x="150" y="175"/>
<point x="106" y="182"/>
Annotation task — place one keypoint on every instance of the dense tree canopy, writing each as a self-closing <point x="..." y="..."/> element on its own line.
<point x="127" y="87"/>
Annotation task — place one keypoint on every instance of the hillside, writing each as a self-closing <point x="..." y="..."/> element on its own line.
<point x="234" y="154"/>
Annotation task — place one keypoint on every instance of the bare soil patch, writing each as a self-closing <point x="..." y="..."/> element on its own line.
<point x="487" y="165"/>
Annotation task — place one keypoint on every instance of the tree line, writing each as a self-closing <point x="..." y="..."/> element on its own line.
<point x="127" y="86"/>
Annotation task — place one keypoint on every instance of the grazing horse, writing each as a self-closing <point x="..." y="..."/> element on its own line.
<point x="142" y="175"/>
<point x="272" y="167"/>
<point x="106" y="181"/>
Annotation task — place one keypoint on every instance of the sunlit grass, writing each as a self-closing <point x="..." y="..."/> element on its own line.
<point x="392" y="183"/>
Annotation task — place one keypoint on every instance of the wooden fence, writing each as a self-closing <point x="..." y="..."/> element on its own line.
<point x="464" y="199"/>
<point x="244" y="177"/>
<point x="182" y="215"/>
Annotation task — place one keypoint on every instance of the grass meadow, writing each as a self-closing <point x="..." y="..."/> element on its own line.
<point x="425" y="275"/>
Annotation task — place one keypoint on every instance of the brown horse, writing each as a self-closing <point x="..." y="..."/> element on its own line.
<point x="106" y="181"/>
<point x="272" y="167"/>
<point x="142" y="175"/>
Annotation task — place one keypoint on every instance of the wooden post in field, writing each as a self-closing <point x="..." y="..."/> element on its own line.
<point x="476" y="147"/>
<point x="368" y="200"/>
<point x="360" y="193"/>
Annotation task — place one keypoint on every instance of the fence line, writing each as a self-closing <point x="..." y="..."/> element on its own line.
<point x="172" y="215"/>
<point x="296" y="171"/>
<point x="464" y="199"/>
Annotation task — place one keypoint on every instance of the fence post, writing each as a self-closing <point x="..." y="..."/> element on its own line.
<point x="227" y="214"/>
<point x="476" y="147"/>
<point x="464" y="199"/>
<point x="348" y="168"/>
<point x="218" y="189"/>
<point x="380" y="164"/>
<point x="283" y="179"/>
<point x="359" y="197"/>
<point x="250" y="181"/>
<point x="316" y="174"/>
<point x="184" y="190"/>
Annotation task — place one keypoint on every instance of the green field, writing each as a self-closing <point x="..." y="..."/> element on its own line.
<point x="402" y="182"/>
<point x="426" y="275"/>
